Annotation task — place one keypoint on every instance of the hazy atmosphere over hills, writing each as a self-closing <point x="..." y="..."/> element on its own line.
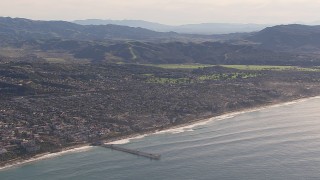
<point x="278" y="45"/>
<point x="172" y="12"/>
<point x="204" y="28"/>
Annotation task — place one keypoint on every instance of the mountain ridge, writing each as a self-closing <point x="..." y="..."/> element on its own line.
<point x="122" y="44"/>
<point x="291" y="38"/>
<point x="201" y="28"/>
<point x="28" y="29"/>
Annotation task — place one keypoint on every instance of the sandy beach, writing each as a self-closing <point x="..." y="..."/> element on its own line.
<point x="126" y="139"/>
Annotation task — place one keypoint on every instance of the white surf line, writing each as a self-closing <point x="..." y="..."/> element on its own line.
<point x="189" y="127"/>
<point x="46" y="156"/>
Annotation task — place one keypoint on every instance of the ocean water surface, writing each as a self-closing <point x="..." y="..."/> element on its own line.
<point x="279" y="142"/>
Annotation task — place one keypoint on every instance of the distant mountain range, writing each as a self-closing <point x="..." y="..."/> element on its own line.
<point x="15" y="30"/>
<point x="204" y="28"/>
<point x="278" y="45"/>
<point x="19" y="28"/>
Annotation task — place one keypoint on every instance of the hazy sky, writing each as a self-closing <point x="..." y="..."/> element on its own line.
<point x="167" y="11"/>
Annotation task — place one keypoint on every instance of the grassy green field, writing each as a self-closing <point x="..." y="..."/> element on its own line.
<point x="180" y="66"/>
<point x="55" y="60"/>
<point x="228" y="76"/>
<point x="223" y="76"/>
<point x="271" y="68"/>
<point x="169" y="80"/>
<point x="239" y="67"/>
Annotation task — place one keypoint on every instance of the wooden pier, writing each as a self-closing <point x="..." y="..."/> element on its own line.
<point x="130" y="151"/>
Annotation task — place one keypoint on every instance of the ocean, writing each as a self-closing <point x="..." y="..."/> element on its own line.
<point x="278" y="142"/>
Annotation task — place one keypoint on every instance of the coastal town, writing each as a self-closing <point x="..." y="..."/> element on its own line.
<point x="157" y="90"/>
<point x="47" y="107"/>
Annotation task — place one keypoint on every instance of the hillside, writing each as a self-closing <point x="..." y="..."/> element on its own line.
<point x="18" y="29"/>
<point x="291" y="38"/>
<point x="62" y="41"/>
<point x="14" y="31"/>
<point x="138" y="52"/>
<point x="177" y="52"/>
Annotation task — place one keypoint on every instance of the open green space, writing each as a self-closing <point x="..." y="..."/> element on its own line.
<point x="55" y="60"/>
<point x="187" y="80"/>
<point x="239" y="67"/>
<point x="180" y="66"/>
<point x="272" y="68"/>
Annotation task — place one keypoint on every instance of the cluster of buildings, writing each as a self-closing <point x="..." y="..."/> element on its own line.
<point x="44" y="107"/>
<point x="31" y="125"/>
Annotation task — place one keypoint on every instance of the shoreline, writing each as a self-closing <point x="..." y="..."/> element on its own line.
<point x="44" y="156"/>
<point x="170" y="129"/>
